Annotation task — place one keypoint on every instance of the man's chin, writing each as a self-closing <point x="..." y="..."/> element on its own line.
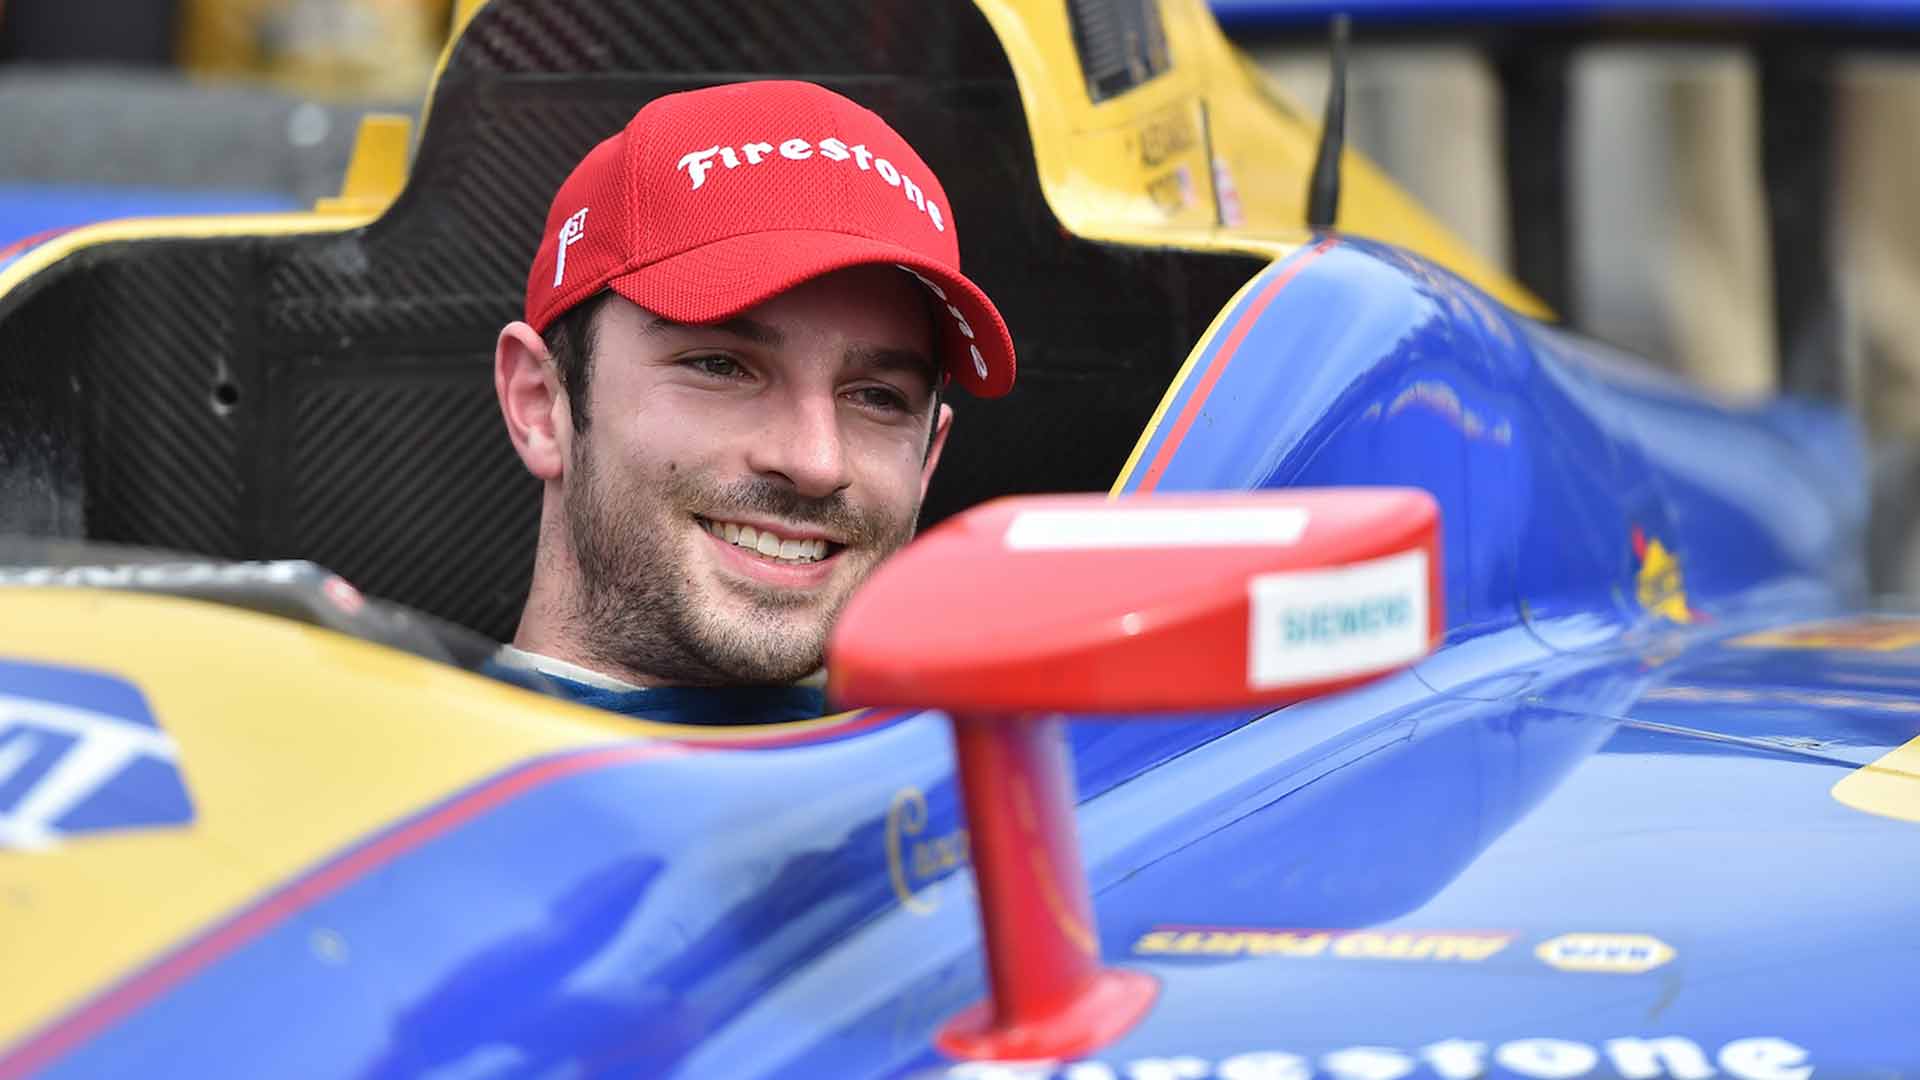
<point x="762" y="635"/>
<point x="762" y="655"/>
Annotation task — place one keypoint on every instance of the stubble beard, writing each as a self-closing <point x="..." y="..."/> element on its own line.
<point x="639" y="610"/>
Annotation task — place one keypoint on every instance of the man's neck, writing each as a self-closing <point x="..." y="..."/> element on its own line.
<point x="530" y="660"/>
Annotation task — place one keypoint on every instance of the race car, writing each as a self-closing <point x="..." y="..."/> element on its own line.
<point x="1440" y="693"/>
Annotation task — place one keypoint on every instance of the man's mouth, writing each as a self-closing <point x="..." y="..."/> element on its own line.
<point x="770" y="544"/>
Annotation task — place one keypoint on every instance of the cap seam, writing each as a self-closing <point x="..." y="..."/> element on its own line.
<point x="631" y="179"/>
<point x="658" y="256"/>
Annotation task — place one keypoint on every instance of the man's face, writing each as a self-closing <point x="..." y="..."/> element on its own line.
<point x="736" y="482"/>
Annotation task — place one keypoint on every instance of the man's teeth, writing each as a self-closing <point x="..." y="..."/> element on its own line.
<point x="766" y="543"/>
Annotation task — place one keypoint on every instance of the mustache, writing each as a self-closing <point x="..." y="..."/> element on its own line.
<point x="768" y="498"/>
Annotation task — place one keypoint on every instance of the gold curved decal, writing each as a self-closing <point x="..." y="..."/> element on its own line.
<point x="1039" y="864"/>
<point x="914" y="861"/>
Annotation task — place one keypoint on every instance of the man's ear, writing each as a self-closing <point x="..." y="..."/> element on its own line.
<point x="941" y="425"/>
<point x="532" y="401"/>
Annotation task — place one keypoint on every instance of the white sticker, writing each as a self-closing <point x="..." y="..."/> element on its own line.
<point x="1313" y="625"/>
<point x="1124" y="527"/>
<point x="1625" y="954"/>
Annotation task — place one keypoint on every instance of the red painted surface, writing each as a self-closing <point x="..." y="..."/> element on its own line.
<point x="1103" y="630"/>
<point x="1104" y="605"/>
<point x="1050" y="997"/>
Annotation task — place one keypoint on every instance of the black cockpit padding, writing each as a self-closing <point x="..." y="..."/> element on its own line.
<point x="329" y="397"/>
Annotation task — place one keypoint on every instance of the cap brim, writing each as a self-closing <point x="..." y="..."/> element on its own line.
<point x="717" y="281"/>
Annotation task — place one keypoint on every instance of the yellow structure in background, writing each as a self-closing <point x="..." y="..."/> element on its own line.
<point x="1209" y="155"/>
<point x="378" y="169"/>
<point x="359" y="49"/>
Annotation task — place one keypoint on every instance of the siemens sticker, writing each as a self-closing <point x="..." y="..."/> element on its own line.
<point x="1671" y="1057"/>
<point x="1327" y="622"/>
<point x="1323" y="624"/>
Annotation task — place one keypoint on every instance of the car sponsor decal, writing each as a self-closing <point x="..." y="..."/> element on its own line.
<point x="1658" y="583"/>
<point x="1864" y="634"/>
<point x="1641" y="1057"/>
<point x="1172" y="192"/>
<point x="1222" y="942"/>
<point x="919" y="856"/>
<point x="1813" y="699"/>
<point x="1328" y="623"/>
<point x="1887" y="787"/>
<point x="1227" y="194"/>
<point x="1618" y="954"/>
<point x="81" y="752"/>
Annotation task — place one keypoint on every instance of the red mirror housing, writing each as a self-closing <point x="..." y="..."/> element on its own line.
<point x="1083" y="603"/>
<point x="1023" y="608"/>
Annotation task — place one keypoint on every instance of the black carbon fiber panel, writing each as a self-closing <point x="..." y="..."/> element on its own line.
<point x="165" y="467"/>
<point x="431" y="470"/>
<point x="43" y="419"/>
<point x="343" y="445"/>
<point x="733" y="39"/>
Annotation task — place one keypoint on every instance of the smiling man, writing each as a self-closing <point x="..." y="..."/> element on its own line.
<point x="738" y="325"/>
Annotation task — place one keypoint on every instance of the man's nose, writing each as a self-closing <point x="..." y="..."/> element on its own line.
<point x="802" y="443"/>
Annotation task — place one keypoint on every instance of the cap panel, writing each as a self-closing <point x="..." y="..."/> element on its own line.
<point x="749" y="160"/>
<point x="584" y="241"/>
<point x="722" y="279"/>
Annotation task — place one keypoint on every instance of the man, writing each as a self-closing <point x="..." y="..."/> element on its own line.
<point x="738" y="323"/>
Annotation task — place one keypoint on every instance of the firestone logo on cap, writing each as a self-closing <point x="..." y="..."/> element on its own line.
<point x="698" y="163"/>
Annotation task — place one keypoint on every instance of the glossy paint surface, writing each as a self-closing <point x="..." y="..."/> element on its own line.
<point x="1582" y="839"/>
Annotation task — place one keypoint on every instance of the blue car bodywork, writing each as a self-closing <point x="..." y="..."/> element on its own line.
<point x="1596" y="834"/>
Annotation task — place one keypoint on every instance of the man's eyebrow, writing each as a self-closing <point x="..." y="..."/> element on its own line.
<point x="878" y="358"/>
<point x="739" y="326"/>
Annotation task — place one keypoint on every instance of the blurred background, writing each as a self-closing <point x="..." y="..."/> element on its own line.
<point x="1737" y="208"/>
<point x="117" y="107"/>
<point x="1723" y="188"/>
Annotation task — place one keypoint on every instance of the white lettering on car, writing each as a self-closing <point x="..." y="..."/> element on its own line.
<point x="1646" y="1059"/>
<point x="1765" y="1059"/>
<point x="1547" y="1059"/>
<point x="1669" y="1057"/>
<point x="1367" y="1063"/>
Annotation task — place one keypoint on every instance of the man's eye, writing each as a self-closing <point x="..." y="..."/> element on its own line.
<point x="880" y="397"/>
<point x="716" y="364"/>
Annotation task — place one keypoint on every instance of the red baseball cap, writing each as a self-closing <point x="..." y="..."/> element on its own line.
<point x="712" y="201"/>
